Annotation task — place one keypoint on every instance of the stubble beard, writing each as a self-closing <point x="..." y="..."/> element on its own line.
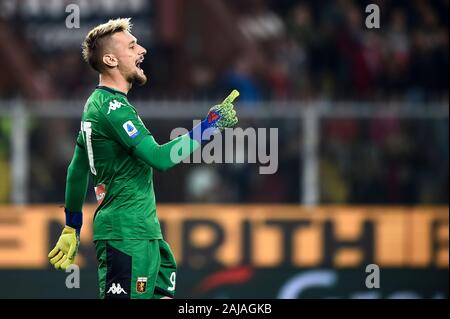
<point x="139" y="79"/>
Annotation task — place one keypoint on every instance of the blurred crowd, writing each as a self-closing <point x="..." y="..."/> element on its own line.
<point x="299" y="51"/>
<point x="322" y="49"/>
<point x="380" y="161"/>
<point x="385" y="160"/>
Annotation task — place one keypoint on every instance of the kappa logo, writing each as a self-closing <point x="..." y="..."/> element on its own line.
<point x="114" y="105"/>
<point x="116" y="289"/>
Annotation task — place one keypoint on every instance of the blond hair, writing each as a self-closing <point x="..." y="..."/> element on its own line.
<point x="92" y="44"/>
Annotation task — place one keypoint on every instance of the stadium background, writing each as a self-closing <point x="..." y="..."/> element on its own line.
<point x="363" y="156"/>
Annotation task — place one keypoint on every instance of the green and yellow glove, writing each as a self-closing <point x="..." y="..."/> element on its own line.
<point x="219" y="117"/>
<point x="224" y="113"/>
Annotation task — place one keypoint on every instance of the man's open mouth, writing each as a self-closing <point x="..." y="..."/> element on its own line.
<point x="138" y="64"/>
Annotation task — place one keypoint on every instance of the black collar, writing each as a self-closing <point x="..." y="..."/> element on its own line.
<point x="102" y="87"/>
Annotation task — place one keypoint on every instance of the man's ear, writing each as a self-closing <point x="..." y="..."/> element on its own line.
<point x="110" y="60"/>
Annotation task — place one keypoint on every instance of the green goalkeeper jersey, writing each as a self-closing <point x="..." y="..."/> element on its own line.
<point x="110" y="130"/>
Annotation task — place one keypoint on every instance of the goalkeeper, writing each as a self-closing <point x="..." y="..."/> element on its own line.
<point x="118" y="150"/>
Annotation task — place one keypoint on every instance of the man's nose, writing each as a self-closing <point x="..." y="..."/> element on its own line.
<point x="144" y="51"/>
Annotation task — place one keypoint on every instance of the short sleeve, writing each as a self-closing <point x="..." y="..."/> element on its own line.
<point x="126" y="126"/>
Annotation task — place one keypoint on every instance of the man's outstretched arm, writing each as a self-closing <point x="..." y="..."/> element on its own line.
<point x="65" y="250"/>
<point x="165" y="156"/>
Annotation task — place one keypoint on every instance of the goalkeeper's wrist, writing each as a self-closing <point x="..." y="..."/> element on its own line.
<point x="74" y="220"/>
<point x="199" y="132"/>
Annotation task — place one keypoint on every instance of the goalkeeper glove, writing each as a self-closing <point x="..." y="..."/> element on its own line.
<point x="219" y="117"/>
<point x="63" y="255"/>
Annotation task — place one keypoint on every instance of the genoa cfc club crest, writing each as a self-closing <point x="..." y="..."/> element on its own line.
<point x="141" y="285"/>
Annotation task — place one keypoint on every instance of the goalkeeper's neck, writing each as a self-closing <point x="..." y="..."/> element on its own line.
<point x="114" y="80"/>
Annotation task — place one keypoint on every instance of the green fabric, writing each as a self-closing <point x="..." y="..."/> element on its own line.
<point x="167" y="273"/>
<point x="151" y="259"/>
<point x="121" y="155"/>
<point x="77" y="180"/>
<point x="163" y="157"/>
<point x="127" y="209"/>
